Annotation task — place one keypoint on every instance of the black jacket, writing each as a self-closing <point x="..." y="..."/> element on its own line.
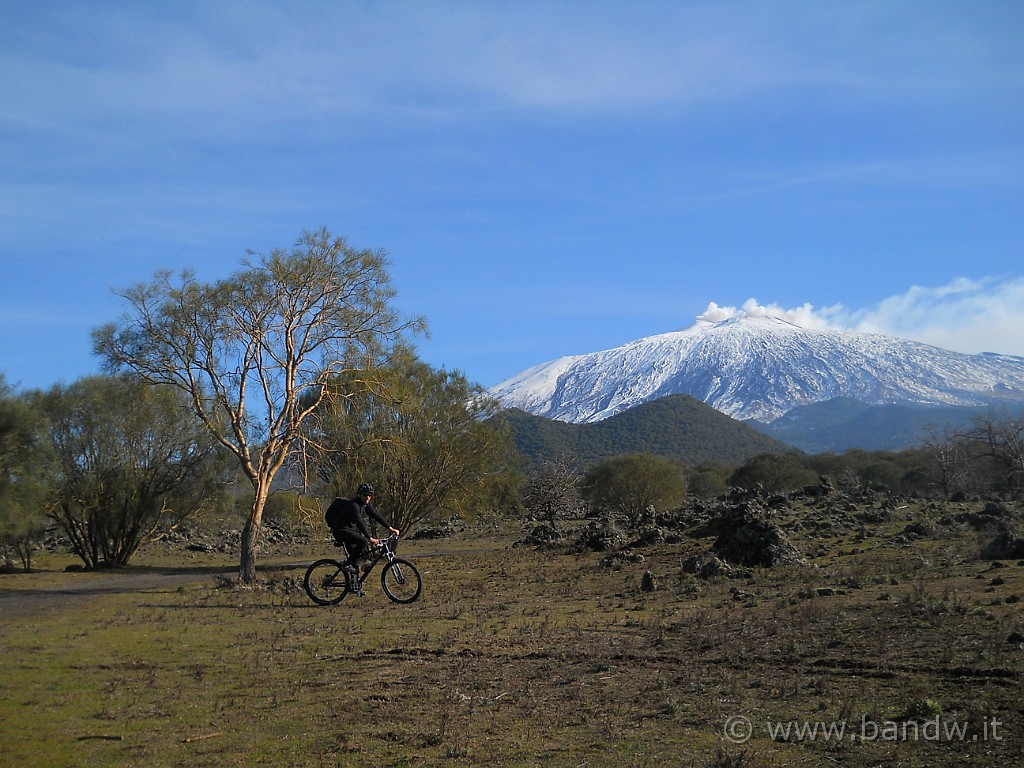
<point x="349" y="514"/>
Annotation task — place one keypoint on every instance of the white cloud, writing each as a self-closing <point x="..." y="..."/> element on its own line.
<point x="971" y="316"/>
<point x="806" y="316"/>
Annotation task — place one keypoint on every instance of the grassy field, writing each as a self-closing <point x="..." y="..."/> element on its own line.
<point x="900" y="650"/>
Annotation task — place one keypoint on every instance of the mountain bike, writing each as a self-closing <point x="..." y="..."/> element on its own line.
<point x="326" y="581"/>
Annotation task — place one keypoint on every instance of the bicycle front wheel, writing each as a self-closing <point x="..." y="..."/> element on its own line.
<point x="401" y="581"/>
<point x="324" y="582"/>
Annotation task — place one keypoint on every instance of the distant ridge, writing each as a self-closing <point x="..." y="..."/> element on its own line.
<point x="676" y="427"/>
<point x="841" y="424"/>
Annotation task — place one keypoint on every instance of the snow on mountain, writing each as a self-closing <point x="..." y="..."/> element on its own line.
<point x="760" y="367"/>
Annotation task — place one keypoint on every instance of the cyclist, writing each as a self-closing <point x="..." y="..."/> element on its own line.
<point x="348" y="524"/>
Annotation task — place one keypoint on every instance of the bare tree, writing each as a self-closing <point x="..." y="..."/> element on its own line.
<point x="553" y="491"/>
<point x="255" y="351"/>
<point x="952" y="458"/>
<point x="1002" y="441"/>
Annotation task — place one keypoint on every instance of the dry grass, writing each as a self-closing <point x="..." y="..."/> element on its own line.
<point x="519" y="658"/>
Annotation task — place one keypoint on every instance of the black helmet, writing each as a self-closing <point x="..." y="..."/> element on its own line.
<point x="365" y="490"/>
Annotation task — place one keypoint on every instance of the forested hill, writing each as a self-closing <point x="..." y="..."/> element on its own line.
<point x="677" y="427"/>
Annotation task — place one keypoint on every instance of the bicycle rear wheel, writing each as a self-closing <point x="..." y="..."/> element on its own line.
<point x="325" y="582"/>
<point x="401" y="581"/>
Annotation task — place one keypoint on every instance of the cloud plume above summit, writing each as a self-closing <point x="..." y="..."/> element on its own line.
<point x="969" y="316"/>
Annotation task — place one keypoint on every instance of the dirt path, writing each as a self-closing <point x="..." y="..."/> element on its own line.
<point x="19" y="603"/>
<point x="76" y="587"/>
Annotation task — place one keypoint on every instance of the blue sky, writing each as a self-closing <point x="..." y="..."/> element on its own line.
<point x="548" y="178"/>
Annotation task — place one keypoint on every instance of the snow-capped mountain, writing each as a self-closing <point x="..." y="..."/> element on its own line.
<point x="759" y="368"/>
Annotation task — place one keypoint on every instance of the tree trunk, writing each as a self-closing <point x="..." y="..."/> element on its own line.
<point x="251" y="538"/>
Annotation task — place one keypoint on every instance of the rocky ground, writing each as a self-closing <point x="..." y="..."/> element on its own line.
<point x="756" y="529"/>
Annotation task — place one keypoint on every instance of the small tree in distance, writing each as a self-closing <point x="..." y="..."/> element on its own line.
<point x="255" y="352"/>
<point x="126" y="464"/>
<point x="423" y="437"/>
<point x="23" y="472"/>
<point x="630" y="485"/>
<point x="776" y="473"/>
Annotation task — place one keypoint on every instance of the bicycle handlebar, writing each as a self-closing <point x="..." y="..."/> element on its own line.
<point x="388" y="542"/>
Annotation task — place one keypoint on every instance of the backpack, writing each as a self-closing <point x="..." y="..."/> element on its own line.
<point x="333" y="514"/>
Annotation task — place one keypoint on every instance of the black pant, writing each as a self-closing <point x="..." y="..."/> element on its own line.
<point x="354" y="542"/>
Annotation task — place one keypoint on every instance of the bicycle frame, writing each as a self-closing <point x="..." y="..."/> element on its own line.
<point x="386" y="549"/>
